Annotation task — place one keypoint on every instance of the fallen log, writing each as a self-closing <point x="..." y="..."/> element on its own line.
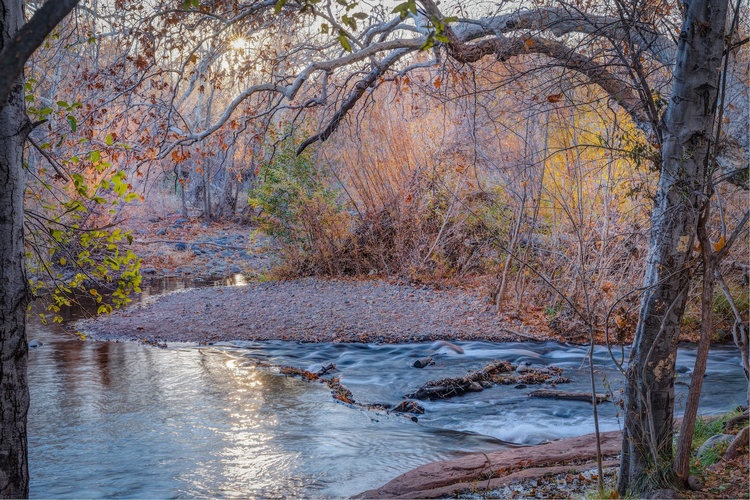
<point x="572" y="396"/>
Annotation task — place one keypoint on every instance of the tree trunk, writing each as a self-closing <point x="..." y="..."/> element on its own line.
<point x="14" y="391"/>
<point x="687" y="127"/>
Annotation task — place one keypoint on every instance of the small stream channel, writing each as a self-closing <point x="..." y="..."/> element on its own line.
<point x="111" y="419"/>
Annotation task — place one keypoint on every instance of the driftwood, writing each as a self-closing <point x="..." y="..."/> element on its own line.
<point x="498" y="372"/>
<point x="572" y="396"/>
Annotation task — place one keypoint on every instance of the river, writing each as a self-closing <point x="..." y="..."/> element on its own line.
<point x="119" y="419"/>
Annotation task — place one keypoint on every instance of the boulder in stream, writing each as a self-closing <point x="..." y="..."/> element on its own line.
<point x="422" y="362"/>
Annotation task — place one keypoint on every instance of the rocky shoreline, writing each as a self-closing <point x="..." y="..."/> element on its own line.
<point x="312" y="310"/>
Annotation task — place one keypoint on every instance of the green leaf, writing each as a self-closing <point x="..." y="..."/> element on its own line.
<point x="109" y="139"/>
<point x="279" y="5"/>
<point x="62" y="104"/>
<point x="344" y="41"/>
<point x="73" y="123"/>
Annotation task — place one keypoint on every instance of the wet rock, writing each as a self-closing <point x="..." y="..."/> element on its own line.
<point x="523" y="368"/>
<point x="717" y="441"/>
<point x="180" y="247"/>
<point x="181" y="221"/>
<point x="486" y="384"/>
<point x="475" y="387"/>
<point x="450" y="387"/>
<point x="409" y="407"/>
<point x="422" y="362"/>
<point x="694" y="483"/>
<point x="519" y="386"/>
<point x="34" y="343"/>
<point x="148" y="270"/>
<point x="161" y="232"/>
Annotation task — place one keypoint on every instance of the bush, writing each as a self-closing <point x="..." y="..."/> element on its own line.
<point x="299" y="208"/>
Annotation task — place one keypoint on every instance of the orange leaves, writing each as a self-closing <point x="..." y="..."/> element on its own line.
<point x="437" y="82"/>
<point x="720" y="244"/>
<point x="180" y="156"/>
<point x="554" y="98"/>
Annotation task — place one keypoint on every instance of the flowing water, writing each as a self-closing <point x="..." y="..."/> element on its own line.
<point x="112" y="419"/>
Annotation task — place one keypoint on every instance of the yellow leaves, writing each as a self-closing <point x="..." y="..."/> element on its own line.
<point x="720" y="244"/>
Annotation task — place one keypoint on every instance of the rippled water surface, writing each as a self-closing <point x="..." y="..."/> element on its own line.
<point x="127" y="420"/>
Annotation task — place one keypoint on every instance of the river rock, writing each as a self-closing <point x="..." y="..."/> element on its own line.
<point x="694" y="483"/>
<point x="35" y="343"/>
<point x="148" y="270"/>
<point x="475" y="387"/>
<point x="180" y="247"/>
<point x="422" y="362"/>
<point x="161" y="232"/>
<point x="523" y="368"/>
<point x="409" y="407"/>
<point x="714" y="442"/>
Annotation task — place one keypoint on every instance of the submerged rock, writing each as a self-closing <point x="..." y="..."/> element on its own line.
<point x="35" y="343"/>
<point x="422" y="362"/>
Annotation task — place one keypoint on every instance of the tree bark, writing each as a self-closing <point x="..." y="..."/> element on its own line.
<point x="14" y="392"/>
<point x="687" y="128"/>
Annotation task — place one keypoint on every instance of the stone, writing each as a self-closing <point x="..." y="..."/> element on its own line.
<point x="161" y="232"/>
<point x="181" y="221"/>
<point x="422" y="362"/>
<point x="519" y="386"/>
<point x="148" y="270"/>
<point x="716" y="441"/>
<point x="523" y="368"/>
<point x="409" y="407"/>
<point x="486" y="384"/>
<point x="35" y="343"/>
<point x="180" y="247"/>
<point x="475" y="387"/>
<point x="694" y="483"/>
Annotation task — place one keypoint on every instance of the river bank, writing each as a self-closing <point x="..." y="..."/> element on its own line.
<point x="314" y="310"/>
